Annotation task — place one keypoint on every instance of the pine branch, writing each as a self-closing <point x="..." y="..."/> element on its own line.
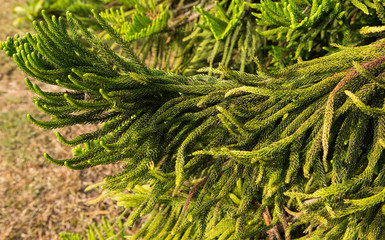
<point x="200" y="150"/>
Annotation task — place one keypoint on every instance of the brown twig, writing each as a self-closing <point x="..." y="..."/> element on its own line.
<point x="267" y="217"/>
<point x="285" y="225"/>
<point x="267" y="64"/>
<point x="273" y="232"/>
<point x="187" y="6"/>
<point x="354" y="72"/>
<point x="111" y="4"/>
<point x="192" y="191"/>
<point x="190" y="18"/>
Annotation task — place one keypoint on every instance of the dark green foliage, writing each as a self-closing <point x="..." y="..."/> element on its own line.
<point x="82" y="8"/>
<point x="234" y="154"/>
<point x="171" y="38"/>
<point x="306" y="29"/>
<point x="178" y="45"/>
<point x="141" y="25"/>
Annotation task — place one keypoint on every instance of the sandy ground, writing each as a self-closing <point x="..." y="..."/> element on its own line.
<point x="38" y="200"/>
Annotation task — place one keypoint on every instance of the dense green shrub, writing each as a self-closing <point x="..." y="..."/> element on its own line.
<point x="258" y="147"/>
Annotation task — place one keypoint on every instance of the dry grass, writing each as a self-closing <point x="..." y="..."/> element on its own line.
<point x="38" y="200"/>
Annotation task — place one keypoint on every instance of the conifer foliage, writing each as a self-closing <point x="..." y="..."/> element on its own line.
<point x="289" y="153"/>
